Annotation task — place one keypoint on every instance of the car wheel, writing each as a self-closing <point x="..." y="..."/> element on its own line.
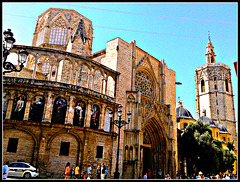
<point x="27" y="175"/>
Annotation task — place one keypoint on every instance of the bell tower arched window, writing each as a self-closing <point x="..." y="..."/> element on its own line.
<point x="202" y="86"/>
<point x="212" y="59"/>
<point x="226" y="85"/>
<point x="215" y="83"/>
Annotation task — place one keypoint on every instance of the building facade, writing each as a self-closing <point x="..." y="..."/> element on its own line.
<point x="57" y="109"/>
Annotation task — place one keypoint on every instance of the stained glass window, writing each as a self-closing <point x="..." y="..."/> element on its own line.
<point x="144" y="84"/>
<point x="58" y="34"/>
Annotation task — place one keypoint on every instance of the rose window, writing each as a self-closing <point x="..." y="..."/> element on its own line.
<point x="144" y="84"/>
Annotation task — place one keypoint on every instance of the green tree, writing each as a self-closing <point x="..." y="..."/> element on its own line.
<point x="203" y="152"/>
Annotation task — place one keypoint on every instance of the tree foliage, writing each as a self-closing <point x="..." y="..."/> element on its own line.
<point x="203" y="152"/>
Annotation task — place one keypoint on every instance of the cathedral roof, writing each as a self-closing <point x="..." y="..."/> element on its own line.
<point x="222" y="129"/>
<point x="206" y="119"/>
<point x="183" y="112"/>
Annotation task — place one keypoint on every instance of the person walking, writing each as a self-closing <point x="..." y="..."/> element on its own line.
<point x="72" y="172"/>
<point x="178" y="175"/>
<point x="145" y="176"/>
<point x="77" y="172"/>
<point x="5" y="170"/>
<point x="168" y="176"/>
<point x="98" y="173"/>
<point x="103" y="171"/>
<point x="149" y="174"/>
<point x="67" y="170"/>
<point x="90" y="176"/>
<point x="106" y="172"/>
<point x="160" y="174"/>
<point x="82" y="176"/>
<point x="89" y="169"/>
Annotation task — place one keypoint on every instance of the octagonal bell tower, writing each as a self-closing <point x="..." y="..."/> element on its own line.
<point x="64" y="29"/>
<point x="214" y="94"/>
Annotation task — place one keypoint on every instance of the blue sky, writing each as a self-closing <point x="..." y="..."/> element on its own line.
<point x="175" y="32"/>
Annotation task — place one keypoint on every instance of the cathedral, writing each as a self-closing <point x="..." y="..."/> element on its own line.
<point x="57" y="109"/>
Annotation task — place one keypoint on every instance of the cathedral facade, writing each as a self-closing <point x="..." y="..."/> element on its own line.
<point x="56" y="110"/>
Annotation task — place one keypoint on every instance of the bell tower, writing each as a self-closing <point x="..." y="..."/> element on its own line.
<point x="214" y="94"/>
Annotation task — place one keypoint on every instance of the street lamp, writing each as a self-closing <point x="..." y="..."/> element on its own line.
<point x="7" y="46"/>
<point x="119" y="123"/>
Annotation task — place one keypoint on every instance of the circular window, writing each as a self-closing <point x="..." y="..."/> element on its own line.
<point x="144" y="84"/>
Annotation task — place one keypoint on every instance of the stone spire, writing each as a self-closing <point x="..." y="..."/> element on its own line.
<point x="210" y="55"/>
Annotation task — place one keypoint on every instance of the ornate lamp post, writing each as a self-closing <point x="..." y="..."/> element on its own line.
<point x="119" y="123"/>
<point x="7" y="46"/>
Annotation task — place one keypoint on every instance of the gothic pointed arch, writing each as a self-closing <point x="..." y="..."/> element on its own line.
<point x="61" y="18"/>
<point x="155" y="142"/>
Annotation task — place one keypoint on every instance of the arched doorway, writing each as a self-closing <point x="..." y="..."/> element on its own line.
<point x="154" y="147"/>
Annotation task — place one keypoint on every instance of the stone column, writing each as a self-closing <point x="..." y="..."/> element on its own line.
<point x="56" y="79"/>
<point x="50" y="76"/>
<point x="9" y="108"/>
<point x="103" y="88"/>
<point x="90" y="80"/>
<point x="35" y="65"/>
<point x="27" y="110"/>
<point x="70" y="111"/>
<point x="106" y="86"/>
<point x="92" y="84"/>
<point x="88" y="116"/>
<point x="133" y="53"/>
<point x="102" y="117"/>
<point x="71" y="74"/>
<point x="49" y="107"/>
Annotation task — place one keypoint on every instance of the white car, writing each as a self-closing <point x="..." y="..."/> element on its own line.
<point x="22" y="169"/>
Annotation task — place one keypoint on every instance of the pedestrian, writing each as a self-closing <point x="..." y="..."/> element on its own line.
<point x="149" y="174"/>
<point x="145" y="176"/>
<point x="98" y="172"/>
<point x="233" y="176"/>
<point x="90" y="175"/>
<point x="77" y="172"/>
<point x="106" y="172"/>
<point x="201" y="176"/>
<point x="72" y="172"/>
<point x="5" y="170"/>
<point x="67" y="170"/>
<point x="227" y="176"/>
<point x="168" y="176"/>
<point x="82" y="176"/>
<point x="153" y="175"/>
<point x="160" y="174"/>
<point x="177" y="175"/>
<point x="103" y="171"/>
<point x="89" y="169"/>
